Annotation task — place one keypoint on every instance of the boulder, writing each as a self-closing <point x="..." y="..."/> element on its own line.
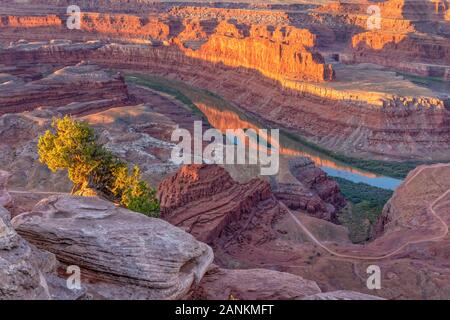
<point x="342" y="295"/>
<point x="121" y="254"/>
<point x="5" y="197"/>
<point x="253" y="284"/>
<point x="20" y="276"/>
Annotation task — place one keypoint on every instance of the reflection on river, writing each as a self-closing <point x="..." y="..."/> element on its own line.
<point x="223" y="118"/>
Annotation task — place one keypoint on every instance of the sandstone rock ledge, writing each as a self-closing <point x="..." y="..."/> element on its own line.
<point x="342" y="295"/>
<point x="20" y="277"/>
<point x="5" y="197"/>
<point x="27" y="273"/>
<point x="253" y="284"/>
<point x="314" y="191"/>
<point x="121" y="254"/>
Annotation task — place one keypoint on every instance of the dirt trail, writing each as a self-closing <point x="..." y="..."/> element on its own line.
<point x="430" y="208"/>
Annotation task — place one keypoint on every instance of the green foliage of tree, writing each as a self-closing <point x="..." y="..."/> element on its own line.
<point x="136" y="194"/>
<point x="73" y="146"/>
<point x="366" y="205"/>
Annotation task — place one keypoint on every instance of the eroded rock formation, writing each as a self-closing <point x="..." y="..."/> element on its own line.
<point x="276" y="54"/>
<point x="27" y="273"/>
<point x="81" y="83"/>
<point x="418" y="204"/>
<point x="406" y="35"/>
<point x="125" y="25"/>
<point x="130" y="255"/>
<point x="5" y="197"/>
<point x="253" y="284"/>
<point x="342" y="295"/>
<point x="354" y="122"/>
<point x="317" y="180"/>
<point x="313" y="191"/>
<point x="206" y="202"/>
<point x="404" y="246"/>
<point x="20" y="276"/>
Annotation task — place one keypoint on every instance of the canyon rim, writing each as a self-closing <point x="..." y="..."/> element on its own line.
<point x="215" y="150"/>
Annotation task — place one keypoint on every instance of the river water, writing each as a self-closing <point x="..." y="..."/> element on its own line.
<point x="223" y="118"/>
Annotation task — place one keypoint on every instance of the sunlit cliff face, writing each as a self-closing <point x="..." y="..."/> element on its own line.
<point x="28" y="21"/>
<point x="281" y="53"/>
<point x="375" y="40"/>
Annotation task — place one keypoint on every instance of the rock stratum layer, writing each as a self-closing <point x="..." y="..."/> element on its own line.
<point x="277" y="55"/>
<point x="407" y="35"/>
<point x="27" y="273"/>
<point x="82" y="83"/>
<point x="125" y="255"/>
<point x="351" y="122"/>
<point x="205" y="201"/>
<point x="20" y="276"/>
<point x="315" y="192"/>
<point x="292" y="63"/>
<point x="418" y="204"/>
<point x="414" y="243"/>
<point x="131" y="255"/>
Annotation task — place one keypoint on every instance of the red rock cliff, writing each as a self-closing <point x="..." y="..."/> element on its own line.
<point x="30" y="21"/>
<point x="276" y="54"/>
<point x="205" y="201"/>
<point x="125" y="24"/>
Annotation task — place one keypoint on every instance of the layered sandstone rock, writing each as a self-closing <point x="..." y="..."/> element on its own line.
<point x="342" y="295"/>
<point x="298" y="197"/>
<point x="280" y="54"/>
<point x="20" y="275"/>
<point x="363" y="120"/>
<point x="193" y="31"/>
<point x="206" y="202"/>
<point x="316" y="180"/>
<point x="252" y="284"/>
<point x="124" y="254"/>
<point x="30" y="21"/>
<point x="269" y="17"/>
<point x="403" y="252"/>
<point x="125" y="25"/>
<point x="397" y="50"/>
<point x="419" y="204"/>
<point x="138" y="132"/>
<point x="355" y="122"/>
<point x="411" y="36"/>
<point x="5" y="197"/>
<point x="80" y="83"/>
<point x="393" y="9"/>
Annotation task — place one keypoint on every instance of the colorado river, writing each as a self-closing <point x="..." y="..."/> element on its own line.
<point x="222" y="115"/>
<point x="226" y="118"/>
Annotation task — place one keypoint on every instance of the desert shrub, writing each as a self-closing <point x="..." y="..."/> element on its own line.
<point x="364" y="208"/>
<point x="73" y="146"/>
<point x="137" y="195"/>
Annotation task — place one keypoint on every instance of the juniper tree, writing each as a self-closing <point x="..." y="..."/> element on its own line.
<point x="73" y="146"/>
